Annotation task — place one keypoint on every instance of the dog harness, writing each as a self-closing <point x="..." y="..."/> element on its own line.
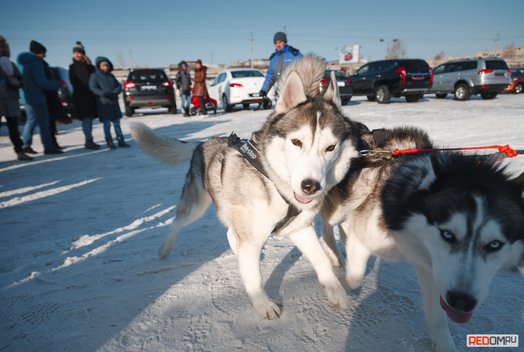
<point x="249" y="151"/>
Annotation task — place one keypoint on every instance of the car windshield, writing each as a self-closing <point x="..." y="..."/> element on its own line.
<point x="496" y="65"/>
<point x="246" y="73"/>
<point x="148" y="76"/>
<point x="517" y="72"/>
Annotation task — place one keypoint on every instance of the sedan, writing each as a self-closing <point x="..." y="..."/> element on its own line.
<point x="238" y="86"/>
<point x="516" y="85"/>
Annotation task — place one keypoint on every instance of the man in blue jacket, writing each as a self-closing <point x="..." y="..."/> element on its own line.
<point x="35" y="85"/>
<point x="284" y="55"/>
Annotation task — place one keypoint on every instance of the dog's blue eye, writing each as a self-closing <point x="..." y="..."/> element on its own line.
<point x="448" y="236"/>
<point x="494" y="246"/>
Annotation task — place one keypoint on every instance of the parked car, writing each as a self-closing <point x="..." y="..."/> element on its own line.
<point x="516" y="85"/>
<point x="467" y="77"/>
<point x="343" y="82"/>
<point x="381" y="80"/>
<point x="148" y="88"/>
<point x="238" y="86"/>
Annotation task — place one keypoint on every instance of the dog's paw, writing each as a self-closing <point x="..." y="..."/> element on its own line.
<point x="165" y="250"/>
<point x="269" y="309"/>
<point x="354" y="281"/>
<point x="337" y="296"/>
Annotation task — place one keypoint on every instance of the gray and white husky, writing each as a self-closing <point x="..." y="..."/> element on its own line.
<point x="458" y="219"/>
<point x="304" y="148"/>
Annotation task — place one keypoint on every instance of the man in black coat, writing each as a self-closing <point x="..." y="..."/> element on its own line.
<point x="83" y="98"/>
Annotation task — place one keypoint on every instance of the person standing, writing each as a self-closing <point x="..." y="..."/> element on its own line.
<point x="106" y="89"/>
<point x="183" y="83"/>
<point x="10" y="83"/>
<point x="278" y="61"/>
<point x="35" y="85"/>
<point x="199" y="88"/>
<point x="83" y="99"/>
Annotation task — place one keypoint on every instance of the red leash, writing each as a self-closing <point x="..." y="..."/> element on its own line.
<point x="503" y="149"/>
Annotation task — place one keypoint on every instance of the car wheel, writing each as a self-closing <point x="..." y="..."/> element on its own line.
<point x="488" y="96"/>
<point x="371" y="97"/>
<point x="462" y="92"/>
<point x="519" y="88"/>
<point x="267" y="104"/>
<point x="245" y="106"/>
<point x="129" y="110"/>
<point x="172" y="109"/>
<point x="227" y="107"/>
<point x="382" y="95"/>
<point x="345" y="100"/>
<point x="413" y="98"/>
<point x="441" y="95"/>
<point x="193" y="111"/>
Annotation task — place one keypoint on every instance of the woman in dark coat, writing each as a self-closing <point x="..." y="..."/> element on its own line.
<point x="199" y="88"/>
<point x="83" y="99"/>
<point x="106" y="88"/>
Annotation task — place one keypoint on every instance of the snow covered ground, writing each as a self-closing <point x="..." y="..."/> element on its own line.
<point x="79" y="235"/>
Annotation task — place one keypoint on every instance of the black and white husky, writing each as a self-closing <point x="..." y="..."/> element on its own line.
<point x="275" y="183"/>
<point x="458" y="219"/>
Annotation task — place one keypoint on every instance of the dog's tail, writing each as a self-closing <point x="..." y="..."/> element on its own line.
<point x="167" y="150"/>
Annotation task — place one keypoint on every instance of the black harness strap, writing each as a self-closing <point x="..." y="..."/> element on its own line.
<point x="249" y="151"/>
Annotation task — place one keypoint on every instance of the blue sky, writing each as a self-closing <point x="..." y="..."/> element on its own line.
<point x="159" y="33"/>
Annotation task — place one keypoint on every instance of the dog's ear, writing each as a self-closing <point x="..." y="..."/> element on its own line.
<point x="291" y="94"/>
<point x="332" y="92"/>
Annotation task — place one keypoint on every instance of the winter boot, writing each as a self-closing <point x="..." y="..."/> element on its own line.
<point x="110" y="144"/>
<point x="186" y="112"/>
<point x="122" y="143"/>
<point x="91" y="145"/>
<point x="23" y="156"/>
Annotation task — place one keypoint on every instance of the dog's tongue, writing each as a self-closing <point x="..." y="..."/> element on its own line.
<point x="453" y="314"/>
<point x="302" y="199"/>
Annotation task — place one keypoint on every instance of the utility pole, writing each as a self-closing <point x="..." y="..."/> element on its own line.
<point x="251" y="49"/>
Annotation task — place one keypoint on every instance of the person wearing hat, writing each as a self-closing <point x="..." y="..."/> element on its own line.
<point x="10" y="83"/>
<point x="36" y="83"/>
<point x="284" y="55"/>
<point x="199" y="88"/>
<point x="183" y="84"/>
<point x="105" y="87"/>
<point x="83" y="99"/>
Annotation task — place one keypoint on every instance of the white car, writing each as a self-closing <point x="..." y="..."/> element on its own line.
<point x="238" y="86"/>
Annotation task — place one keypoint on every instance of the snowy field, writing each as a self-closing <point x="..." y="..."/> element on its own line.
<point x="79" y="269"/>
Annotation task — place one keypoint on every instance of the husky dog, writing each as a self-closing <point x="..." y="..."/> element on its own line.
<point x="304" y="148"/>
<point x="458" y="219"/>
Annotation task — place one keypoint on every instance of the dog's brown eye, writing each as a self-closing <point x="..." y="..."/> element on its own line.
<point x="330" y="148"/>
<point x="297" y="142"/>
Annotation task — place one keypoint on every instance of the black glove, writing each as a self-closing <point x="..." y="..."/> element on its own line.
<point x="108" y="95"/>
<point x="262" y="93"/>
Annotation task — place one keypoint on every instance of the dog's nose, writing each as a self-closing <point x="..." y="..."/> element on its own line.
<point x="461" y="301"/>
<point x="310" y="186"/>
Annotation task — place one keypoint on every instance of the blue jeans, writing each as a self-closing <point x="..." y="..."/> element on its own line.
<point x="87" y="127"/>
<point x="185" y="100"/>
<point x="37" y="114"/>
<point x="118" y="130"/>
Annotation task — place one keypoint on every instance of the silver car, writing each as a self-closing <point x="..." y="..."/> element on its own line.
<point x="466" y="77"/>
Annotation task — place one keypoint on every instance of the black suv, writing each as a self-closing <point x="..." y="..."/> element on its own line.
<point x="148" y="88"/>
<point x="381" y="80"/>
